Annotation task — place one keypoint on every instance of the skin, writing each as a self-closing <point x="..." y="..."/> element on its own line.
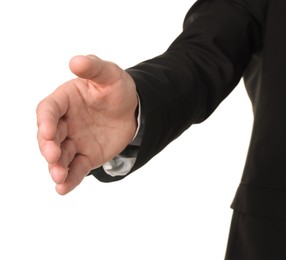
<point x="86" y="121"/>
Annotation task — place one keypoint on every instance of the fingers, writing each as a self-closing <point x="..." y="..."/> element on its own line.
<point x="71" y="168"/>
<point x="59" y="170"/>
<point x="50" y="148"/>
<point x="78" y="169"/>
<point x="51" y="130"/>
<point x="49" y="111"/>
<point x="92" y="68"/>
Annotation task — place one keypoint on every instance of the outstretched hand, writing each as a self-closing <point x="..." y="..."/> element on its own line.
<point x="86" y="121"/>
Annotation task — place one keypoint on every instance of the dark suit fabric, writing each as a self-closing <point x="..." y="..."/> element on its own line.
<point x="223" y="41"/>
<point x="256" y="238"/>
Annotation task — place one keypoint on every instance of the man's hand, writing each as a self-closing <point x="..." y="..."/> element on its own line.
<point x="86" y="121"/>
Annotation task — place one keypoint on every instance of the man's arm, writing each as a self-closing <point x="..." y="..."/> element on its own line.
<point x="184" y="85"/>
<point x="89" y="120"/>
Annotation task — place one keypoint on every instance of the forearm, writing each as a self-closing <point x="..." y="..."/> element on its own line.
<point x="184" y="85"/>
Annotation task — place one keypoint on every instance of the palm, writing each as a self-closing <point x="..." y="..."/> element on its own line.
<point x="95" y="124"/>
<point x="86" y="122"/>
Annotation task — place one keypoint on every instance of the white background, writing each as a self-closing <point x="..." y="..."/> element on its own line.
<point x="176" y="207"/>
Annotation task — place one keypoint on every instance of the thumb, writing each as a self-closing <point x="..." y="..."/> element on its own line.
<point x="95" y="69"/>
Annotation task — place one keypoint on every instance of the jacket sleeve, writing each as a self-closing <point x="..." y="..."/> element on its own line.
<point x="184" y="85"/>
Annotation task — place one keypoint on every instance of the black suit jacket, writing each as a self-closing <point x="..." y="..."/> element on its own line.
<point x="222" y="41"/>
